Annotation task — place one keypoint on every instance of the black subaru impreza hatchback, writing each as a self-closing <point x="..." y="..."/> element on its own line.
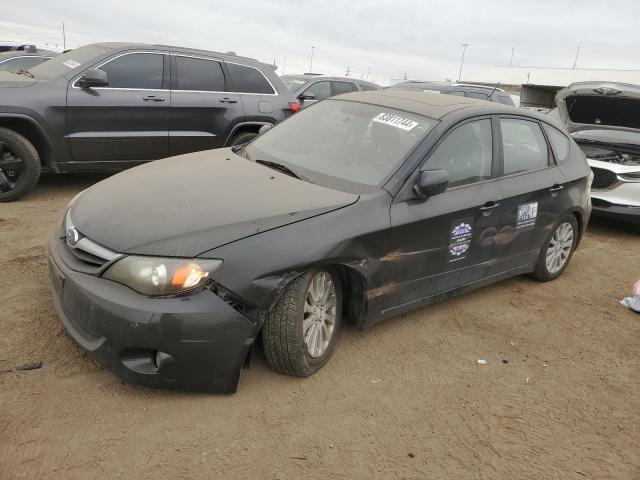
<point x="359" y="208"/>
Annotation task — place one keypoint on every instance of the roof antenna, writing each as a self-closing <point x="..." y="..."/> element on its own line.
<point x="494" y="90"/>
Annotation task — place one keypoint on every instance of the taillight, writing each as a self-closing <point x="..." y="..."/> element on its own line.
<point x="294" y="107"/>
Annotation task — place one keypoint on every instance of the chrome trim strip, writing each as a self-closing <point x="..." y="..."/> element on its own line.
<point x="87" y="245"/>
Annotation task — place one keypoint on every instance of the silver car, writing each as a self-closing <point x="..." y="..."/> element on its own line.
<point x="604" y="119"/>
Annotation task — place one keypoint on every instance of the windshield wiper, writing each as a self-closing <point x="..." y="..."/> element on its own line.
<point x="25" y="72"/>
<point x="280" y="167"/>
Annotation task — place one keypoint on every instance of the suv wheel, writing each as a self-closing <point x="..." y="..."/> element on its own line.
<point x="242" y="138"/>
<point x="19" y="165"/>
<point x="557" y="249"/>
<point x="300" y="332"/>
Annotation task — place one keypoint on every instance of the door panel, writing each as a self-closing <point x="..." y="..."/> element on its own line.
<point x="533" y="193"/>
<point x="120" y="122"/>
<point x="203" y="107"/>
<point x="439" y="244"/>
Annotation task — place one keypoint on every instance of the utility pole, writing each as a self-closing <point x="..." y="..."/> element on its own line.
<point x="313" y="49"/>
<point x="284" y="64"/>
<point x="511" y="61"/>
<point x="464" y="49"/>
<point x="347" y="74"/>
<point x="368" y="70"/>
<point x="575" y="63"/>
<point x="64" y="38"/>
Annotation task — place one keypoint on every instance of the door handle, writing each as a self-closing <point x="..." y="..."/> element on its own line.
<point x="228" y="100"/>
<point x="488" y="207"/>
<point x="556" y="188"/>
<point x="152" y="98"/>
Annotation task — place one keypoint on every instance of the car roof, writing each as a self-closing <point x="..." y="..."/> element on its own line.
<point x="329" y="77"/>
<point x="20" y="53"/>
<point x="431" y="105"/>
<point x="128" y="45"/>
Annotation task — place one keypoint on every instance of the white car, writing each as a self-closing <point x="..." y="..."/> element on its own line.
<point x="604" y="120"/>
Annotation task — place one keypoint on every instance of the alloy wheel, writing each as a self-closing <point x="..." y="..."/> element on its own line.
<point x="11" y="169"/>
<point x="319" y="319"/>
<point x="559" y="247"/>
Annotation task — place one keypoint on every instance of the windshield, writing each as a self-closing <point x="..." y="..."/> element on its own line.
<point x="293" y="83"/>
<point x="68" y="61"/>
<point x="354" y="143"/>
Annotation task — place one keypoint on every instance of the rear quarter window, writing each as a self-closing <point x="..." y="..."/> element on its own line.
<point x="249" y="79"/>
<point x="559" y="143"/>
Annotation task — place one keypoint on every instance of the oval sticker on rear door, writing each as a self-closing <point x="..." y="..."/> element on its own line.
<point x="396" y="121"/>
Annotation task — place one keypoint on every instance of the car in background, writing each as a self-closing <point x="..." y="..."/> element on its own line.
<point x="481" y="92"/>
<point x="110" y="106"/>
<point x="14" y="61"/>
<point x="309" y="89"/>
<point x="359" y="208"/>
<point x="604" y="120"/>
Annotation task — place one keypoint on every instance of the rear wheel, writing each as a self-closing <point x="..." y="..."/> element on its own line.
<point x="557" y="250"/>
<point x="19" y="165"/>
<point x="242" y="138"/>
<point x="300" y="332"/>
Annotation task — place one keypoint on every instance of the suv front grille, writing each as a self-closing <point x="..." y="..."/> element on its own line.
<point x="603" y="178"/>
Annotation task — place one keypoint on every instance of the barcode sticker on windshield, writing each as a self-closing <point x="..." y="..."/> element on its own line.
<point x="71" y="64"/>
<point x="396" y="121"/>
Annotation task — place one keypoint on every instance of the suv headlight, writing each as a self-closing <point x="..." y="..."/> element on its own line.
<point x="157" y="276"/>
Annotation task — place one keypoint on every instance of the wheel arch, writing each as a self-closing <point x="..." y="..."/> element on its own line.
<point x="244" y="127"/>
<point x="32" y="131"/>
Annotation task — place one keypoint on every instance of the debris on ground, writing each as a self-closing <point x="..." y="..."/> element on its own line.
<point x="505" y="361"/>
<point x="633" y="302"/>
<point x="376" y="381"/>
<point x="411" y="455"/>
<point x="481" y="361"/>
<point x="30" y="366"/>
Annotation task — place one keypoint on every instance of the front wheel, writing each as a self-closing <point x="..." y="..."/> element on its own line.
<point x="300" y="332"/>
<point x="242" y="138"/>
<point x="557" y="250"/>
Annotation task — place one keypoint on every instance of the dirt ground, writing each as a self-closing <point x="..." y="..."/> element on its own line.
<point x="405" y="399"/>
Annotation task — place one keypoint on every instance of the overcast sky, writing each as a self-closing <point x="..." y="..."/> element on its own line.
<point x="390" y="38"/>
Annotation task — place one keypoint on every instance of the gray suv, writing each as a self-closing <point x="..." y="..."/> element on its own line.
<point x="111" y="106"/>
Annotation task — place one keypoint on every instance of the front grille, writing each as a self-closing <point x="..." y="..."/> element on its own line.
<point x="87" y="257"/>
<point x="603" y="178"/>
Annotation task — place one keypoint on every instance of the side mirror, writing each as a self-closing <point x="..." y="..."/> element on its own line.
<point x="306" y="96"/>
<point x="93" y="77"/>
<point x="264" y="128"/>
<point x="432" y="182"/>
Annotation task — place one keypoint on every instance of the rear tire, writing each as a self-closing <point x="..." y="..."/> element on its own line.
<point x="241" y="138"/>
<point x="295" y="335"/>
<point x="20" y="165"/>
<point x="557" y="249"/>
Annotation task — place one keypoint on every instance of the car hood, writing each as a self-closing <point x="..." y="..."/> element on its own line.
<point x="12" y="80"/>
<point x="183" y="206"/>
<point x="600" y="106"/>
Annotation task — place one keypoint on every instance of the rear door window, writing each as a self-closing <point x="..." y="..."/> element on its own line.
<point x="199" y="74"/>
<point x="320" y="90"/>
<point x="466" y="154"/>
<point x="524" y="146"/>
<point x="249" y="79"/>
<point x="366" y="88"/>
<point x="141" y="71"/>
<point x="343" y="87"/>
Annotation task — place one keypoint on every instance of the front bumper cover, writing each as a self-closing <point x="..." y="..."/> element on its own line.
<point x="195" y="342"/>
<point x="617" y="212"/>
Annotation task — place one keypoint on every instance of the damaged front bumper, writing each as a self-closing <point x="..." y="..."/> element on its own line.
<point x="195" y="342"/>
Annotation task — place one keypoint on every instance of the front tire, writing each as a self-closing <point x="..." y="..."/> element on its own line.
<point x="557" y="250"/>
<point x="19" y="165"/>
<point x="301" y="331"/>
<point x="242" y="138"/>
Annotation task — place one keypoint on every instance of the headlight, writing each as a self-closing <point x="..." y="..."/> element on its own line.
<point x="157" y="276"/>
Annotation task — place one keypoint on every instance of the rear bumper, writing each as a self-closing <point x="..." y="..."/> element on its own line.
<point x="196" y="342"/>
